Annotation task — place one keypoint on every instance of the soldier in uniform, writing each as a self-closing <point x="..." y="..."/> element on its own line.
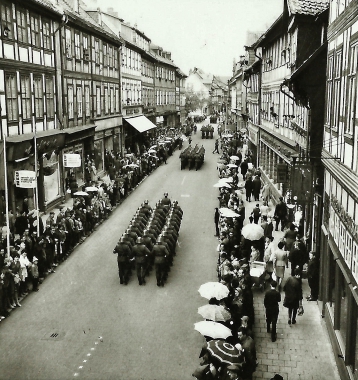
<point x="160" y="253"/>
<point x="166" y="202"/>
<point x="141" y="253"/>
<point x="124" y="251"/>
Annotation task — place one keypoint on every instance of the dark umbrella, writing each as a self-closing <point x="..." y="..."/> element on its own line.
<point x="224" y="352"/>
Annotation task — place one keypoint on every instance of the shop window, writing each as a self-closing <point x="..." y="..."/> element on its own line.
<point x="331" y="281"/>
<point x="78" y="149"/>
<point x="343" y="322"/>
<point x="98" y="154"/>
<point x="51" y="176"/>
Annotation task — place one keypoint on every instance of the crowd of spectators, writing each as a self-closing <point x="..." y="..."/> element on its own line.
<point x="38" y="245"/>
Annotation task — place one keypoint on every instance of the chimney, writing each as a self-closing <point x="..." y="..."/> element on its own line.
<point x="76" y="6"/>
<point x="99" y="16"/>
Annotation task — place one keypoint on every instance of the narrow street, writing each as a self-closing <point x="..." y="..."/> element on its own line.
<point x="110" y="331"/>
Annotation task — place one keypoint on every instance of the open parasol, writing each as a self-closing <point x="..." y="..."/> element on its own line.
<point x="228" y="213"/>
<point x="227" y="180"/>
<point x="213" y="290"/>
<point x="234" y="158"/>
<point x="91" y="188"/>
<point x="212" y="329"/>
<point x="80" y="193"/>
<point x="252" y="232"/>
<point x="231" y="166"/>
<point x="214" y="313"/>
<point x="222" y="184"/>
<point x="225" y="352"/>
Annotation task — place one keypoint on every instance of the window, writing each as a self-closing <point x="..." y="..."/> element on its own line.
<point x="70" y="101"/>
<point x="105" y="57"/>
<point x="96" y="52"/>
<point x="352" y="90"/>
<point x="77" y="46"/>
<point x="106" y="108"/>
<point x="115" y="56"/>
<point x="35" y="30"/>
<point x="25" y="97"/>
<point x="110" y="56"/>
<point x="46" y="31"/>
<point x="86" y="56"/>
<point x="116" y="101"/>
<point x="11" y="97"/>
<point x="79" y="102"/>
<point x="329" y="90"/>
<point x="337" y="89"/>
<point x="68" y="49"/>
<point x="39" y="97"/>
<point x="98" y="100"/>
<point x="50" y="98"/>
<point x="111" y="100"/>
<point x="21" y="19"/>
<point x="87" y="101"/>
<point x="6" y="21"/>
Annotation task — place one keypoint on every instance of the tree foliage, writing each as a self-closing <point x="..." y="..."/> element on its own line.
<point x="194" y="101"/>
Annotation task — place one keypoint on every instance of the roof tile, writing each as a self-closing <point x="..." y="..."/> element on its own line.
<point x="307" y="7"/>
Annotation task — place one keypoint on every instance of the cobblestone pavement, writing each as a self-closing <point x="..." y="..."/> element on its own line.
<point x="301" y="351"/>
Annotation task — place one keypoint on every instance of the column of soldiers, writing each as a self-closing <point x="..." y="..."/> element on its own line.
<point x="193" y="157"/>
<point x="207" y="131"/>
<point x="150" y="240"/>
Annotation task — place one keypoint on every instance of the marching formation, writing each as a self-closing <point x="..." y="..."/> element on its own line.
<point x="207" y="132"/>
<point x="150" y="239"/>
<point x="192" y="157"/>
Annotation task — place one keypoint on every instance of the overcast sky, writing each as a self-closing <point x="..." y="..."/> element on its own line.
<point x="199" y="33"/>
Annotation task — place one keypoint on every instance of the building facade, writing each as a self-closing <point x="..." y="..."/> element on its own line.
<point x="339" y="246"/>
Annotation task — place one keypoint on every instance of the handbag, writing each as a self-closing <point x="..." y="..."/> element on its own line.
<point x="300" y="311"/>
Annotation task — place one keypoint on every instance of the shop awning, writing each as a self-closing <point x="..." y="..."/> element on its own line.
<point x="79" y="133"/>
<point x="140" y="123"/>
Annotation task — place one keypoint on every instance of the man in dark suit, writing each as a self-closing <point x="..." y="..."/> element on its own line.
<point x="256" y="187"/>
<point x="280" y="214"/>
<point x="271" y="303"/>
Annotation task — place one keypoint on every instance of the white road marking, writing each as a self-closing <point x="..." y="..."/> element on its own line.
<point x="80" y="367"/>
<point x="182" y="182"/>
<point x="185" y="195"/>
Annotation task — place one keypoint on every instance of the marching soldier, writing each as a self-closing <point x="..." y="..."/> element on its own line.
<point x="124" y="252"/>
<point x="141" y="253"/>
<point x="160" y="253"/>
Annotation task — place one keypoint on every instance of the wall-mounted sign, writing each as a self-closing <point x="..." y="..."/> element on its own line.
<point x="281" y="173"/>
<point x="72" y="160"/>
<point x="25" y="179"/>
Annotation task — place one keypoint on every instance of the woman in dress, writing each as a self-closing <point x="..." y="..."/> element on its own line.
<point x="279" y="259"/>
<point x="290" y="236"/>
<point x="293" y="295"/>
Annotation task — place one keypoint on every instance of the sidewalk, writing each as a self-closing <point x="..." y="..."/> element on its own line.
<point x="301" y="351"/>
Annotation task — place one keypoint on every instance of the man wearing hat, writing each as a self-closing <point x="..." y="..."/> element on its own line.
<point x="166" y="201"/>
<point x="277" y="377"/>
<point x="141" y="253"/>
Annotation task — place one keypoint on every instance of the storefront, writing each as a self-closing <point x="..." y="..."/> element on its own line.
<point x="79" y="140"/>
<point x="253" y="138"/>
<point x="339" y="278"/>
<point x="20" y="152"/>
<point x="138" y="130"/>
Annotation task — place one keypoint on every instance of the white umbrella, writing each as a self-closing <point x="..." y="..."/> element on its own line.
<point x="133" y="165"/>
<point x="213" y="290"/>
<point x="129" y="154"/>
<point x="222" y="184"/>
<point x="168" y="138"/>
<point x="231" y="166"/>
<point x="234" y="158"/>
<point x="153" y="147"/>
<point x="91" y="188"/>
<point x="152" y="151"/>
<point x="252" y="231"/>
<point x="226" y="180"/>
<point x="212" y="329"/>
<point x="214" y="313"/>
<point x="80" y="193"/>
<point x="228" y="213"/>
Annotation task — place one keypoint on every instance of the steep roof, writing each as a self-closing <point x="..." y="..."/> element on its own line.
<point x="307" y="7"/>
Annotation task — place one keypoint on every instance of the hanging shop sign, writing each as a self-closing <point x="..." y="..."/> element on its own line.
<point x="281" y="173"/>
<point x="25" y="179"/>
<point x="71" y="160"/>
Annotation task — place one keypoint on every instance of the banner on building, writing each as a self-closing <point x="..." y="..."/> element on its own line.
<point x="72" y="160"/>
<point x="25" y="179"/>
<point x="281" y="173"/>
